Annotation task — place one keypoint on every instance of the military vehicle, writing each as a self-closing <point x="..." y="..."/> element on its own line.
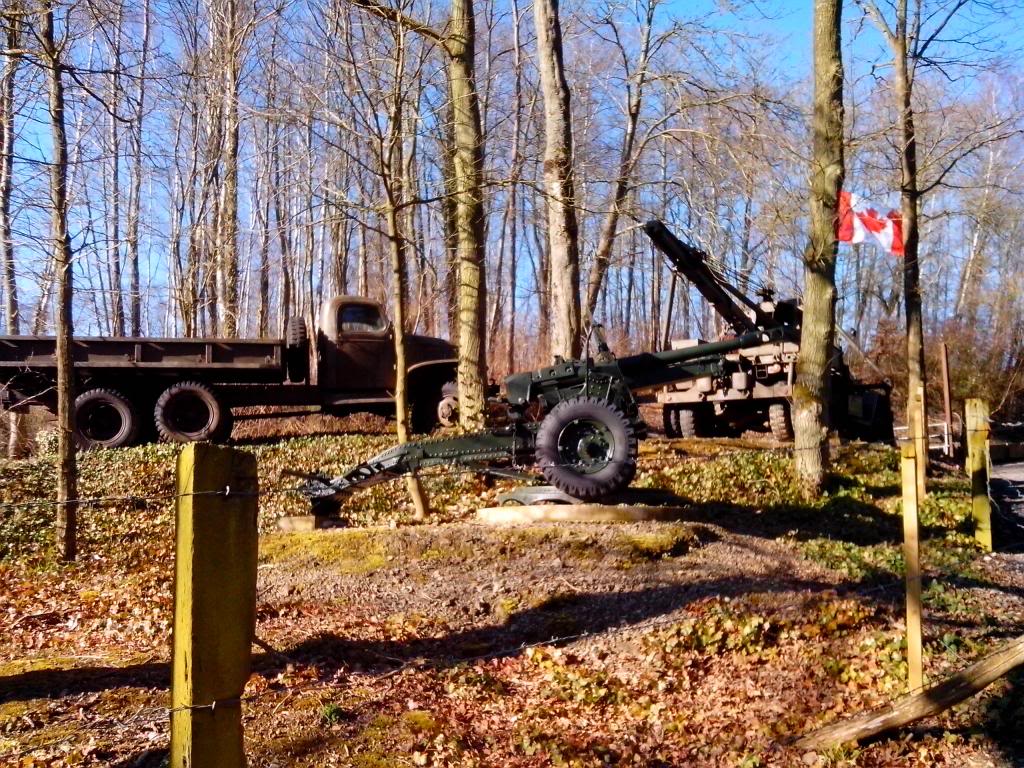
<point x="131" y="389"/>
<point x="577" y="422"/>
<point x="756" y="387"/>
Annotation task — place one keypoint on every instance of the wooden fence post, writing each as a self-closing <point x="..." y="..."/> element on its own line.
<point x="977" y="469"/>
<point x="919" y="435"/>
<point x="911" y="559"/>
<point x="214" y="604"/>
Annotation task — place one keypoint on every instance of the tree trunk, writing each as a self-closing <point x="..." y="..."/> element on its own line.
<point x="227" y="219"/>
<point x="811" y="389"/>
<point x="609" y="227"/>
<point x="469" y="215"/>
<point x="909" y="209"/>
<point x="12" y="316"/>
<point x="559" y="186"/>
<point x="392" y="173"/>
<point x="113" y="201"/>
<point x="135" y="190"/>
<point x="67" y="493"/>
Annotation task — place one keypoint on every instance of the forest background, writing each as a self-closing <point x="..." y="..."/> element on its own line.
<point x="231" y="163"/>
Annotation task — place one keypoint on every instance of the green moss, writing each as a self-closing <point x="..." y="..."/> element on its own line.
<point x="347" y="551"/>
<point x="419" y="722"/>
<point x="671" y="541"/>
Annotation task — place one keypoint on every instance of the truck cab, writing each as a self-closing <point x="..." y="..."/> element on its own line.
<point x="355" y="350"/>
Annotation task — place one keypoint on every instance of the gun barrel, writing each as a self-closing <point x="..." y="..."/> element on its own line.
<point x="653" y="368"/>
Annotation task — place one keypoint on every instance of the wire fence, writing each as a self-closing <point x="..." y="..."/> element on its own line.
<point x="895" y="587"/>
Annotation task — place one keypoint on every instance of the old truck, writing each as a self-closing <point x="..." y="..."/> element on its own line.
<point x="183" y="390"/>
<point x="756" y="384"/>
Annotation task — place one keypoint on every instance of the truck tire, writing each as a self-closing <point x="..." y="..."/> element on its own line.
<point x="780" y="422"/>
<point x="670" y="419"/>
<point x="104" y="418"/>
<point x="587" y="448"/>
<point x="296" y="350"/>
<point x="188" y="412"/>
<point x="694" y="420"/>
<point x="448" y="406"/>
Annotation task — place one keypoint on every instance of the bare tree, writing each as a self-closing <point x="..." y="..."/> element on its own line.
<point x="458" y="41"/>
<point x="817" y="339"/>
<point x="636" y="75"/>
<point x="67" y="473"/>
<point x="559" y="184"/>
<point x="12" y="315"/>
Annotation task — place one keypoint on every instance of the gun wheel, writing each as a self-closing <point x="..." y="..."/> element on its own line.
<point x="587" y="448"/>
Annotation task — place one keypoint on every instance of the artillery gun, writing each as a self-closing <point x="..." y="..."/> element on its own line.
<point x="757" y="385"/>
<point x="576" y="421"/>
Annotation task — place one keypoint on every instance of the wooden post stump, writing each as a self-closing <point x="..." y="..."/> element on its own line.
<point x="977" y="426"/>
<point x="214" y="604"/>
<point x="912" y="562"/>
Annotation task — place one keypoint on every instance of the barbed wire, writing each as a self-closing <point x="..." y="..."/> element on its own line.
<point x="861" y="591"/>
<point x="447" y="471"/>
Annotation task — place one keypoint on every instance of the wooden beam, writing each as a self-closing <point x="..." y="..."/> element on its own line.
<point x="214" y="604"/>
<point x="909" y="709"/>
<point x="977" y="428"/>
<point x="912" y="563"/>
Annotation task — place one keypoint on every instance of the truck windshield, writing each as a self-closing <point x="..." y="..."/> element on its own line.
<point x="360" y="318"/>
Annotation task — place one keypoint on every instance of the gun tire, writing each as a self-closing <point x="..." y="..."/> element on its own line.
<point x="587" y="448"/>
<point x="780" y="422"/>
<point x="296" y="350"/>
<point x="104" y="418"/>
<point x="188" y="412"/>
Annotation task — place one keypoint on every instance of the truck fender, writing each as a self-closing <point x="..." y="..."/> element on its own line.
<point x="429" y="368"/>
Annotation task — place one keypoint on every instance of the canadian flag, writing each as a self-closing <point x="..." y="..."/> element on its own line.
<point x="857" y="218"/>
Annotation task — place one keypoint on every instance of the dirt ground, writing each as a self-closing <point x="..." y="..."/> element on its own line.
<point x="712" y="641"/>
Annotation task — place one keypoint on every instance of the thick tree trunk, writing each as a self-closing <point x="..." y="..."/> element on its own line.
<point x="559" y="186"/>
<point x="810" y="393"/>
<point x="67" y="479"/>
<point x="469" y="215"/>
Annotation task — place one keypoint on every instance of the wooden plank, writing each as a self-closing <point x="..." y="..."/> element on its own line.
<point x="977" y="427"/>
<point x="912" y="562"/>
<point x="919" y="435"/>
<point x="936" y="699"/>
<point x="214" y="604"/>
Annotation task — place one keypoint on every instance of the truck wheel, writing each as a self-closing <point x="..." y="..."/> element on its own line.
<point x="780" y="422"/>
<point x="188" y="412"/>
<point x="296" y="350"/>
<point x="448" y="407"/>
<point x="587" y="448"/>
<point x="670" y="418"/>
<point x="694" y="421"/>
<point x="104" y="418"/>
